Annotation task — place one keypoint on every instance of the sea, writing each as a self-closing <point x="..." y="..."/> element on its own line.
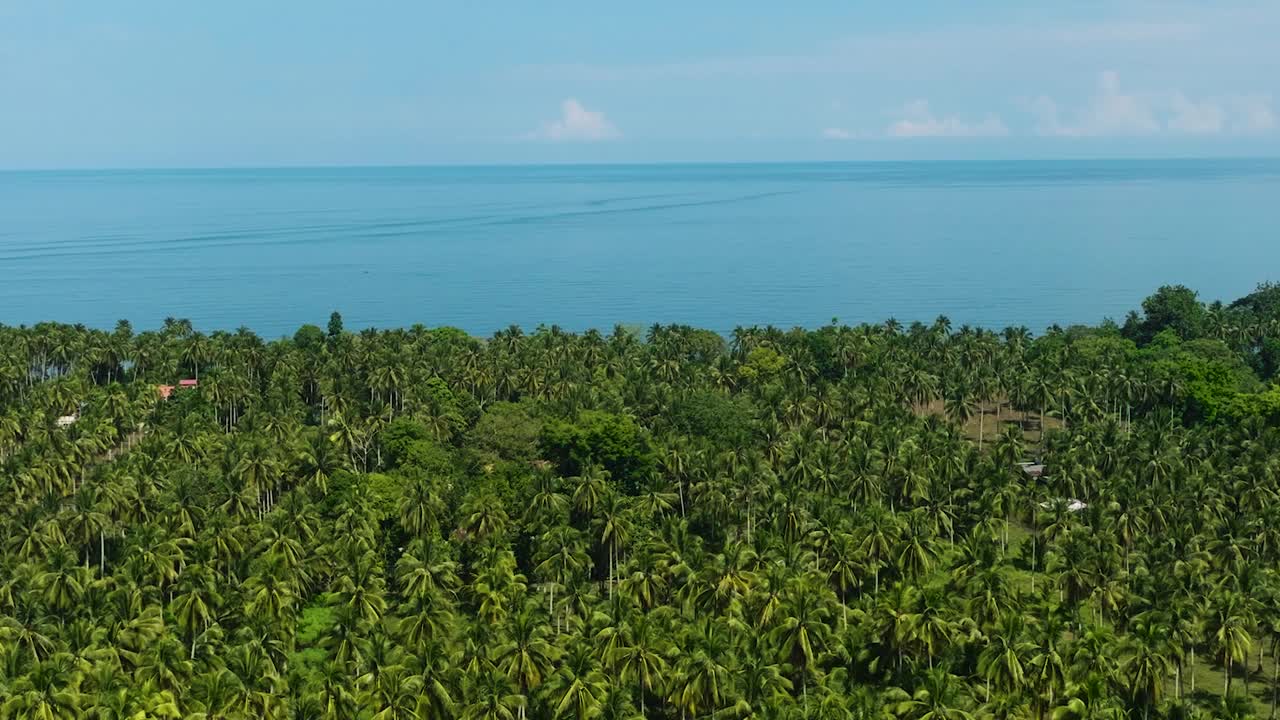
<point x="992" y="244"/>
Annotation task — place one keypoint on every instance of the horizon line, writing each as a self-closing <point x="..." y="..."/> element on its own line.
<point x="638" y="163"/>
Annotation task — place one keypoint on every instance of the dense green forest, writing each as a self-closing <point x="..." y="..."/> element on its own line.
<point x="835" y="523"/>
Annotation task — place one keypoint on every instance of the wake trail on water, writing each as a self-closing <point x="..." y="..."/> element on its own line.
<point x="340" y="232"/>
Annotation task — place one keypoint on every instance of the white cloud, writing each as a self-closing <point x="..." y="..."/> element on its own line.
<point x="1205" y="117"/>
<point x="1253" y="114"/>
<point x="919" y="121"/>
<point x="835" y="133"/>
<point x="577" y="123"/>
<point x="1045" y="111"/>
<point x="1110" y="111"/>
<point x="1114" y="112"/>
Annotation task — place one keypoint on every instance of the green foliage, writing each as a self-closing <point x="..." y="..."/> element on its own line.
<point x="614" y="442"/>
<point x="409" y="445"/>
<point x="723" y="419"/>
<point x="399" y="434"/>
<point x="1172" y="307"/>
<point x="1097" y="347"/>
<point x="309" y="339"/>
<point x="695" y="345"/>
<point x="1205" y="374"/>
<point x="429" y="457"/>
<point x="1243" y="406"/>
<point x="505" y="432"/>
<point x="449" y="337"/>
<point x="1264" y="302"/>
<point x="1268" y="358"/>
<point x="1166" y="339"/>
<point x="331" y="527"/>
<point x="384" y="491"/>
<point x="763" y="363"/>
<point x="378" y="493"/>
<point x="453" y="411"/>
<point x="314" y="622"/>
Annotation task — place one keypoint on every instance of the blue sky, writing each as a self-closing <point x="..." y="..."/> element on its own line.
<point x="163" y="84"/>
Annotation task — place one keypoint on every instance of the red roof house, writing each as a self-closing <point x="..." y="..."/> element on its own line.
<point x="188" y="383"/>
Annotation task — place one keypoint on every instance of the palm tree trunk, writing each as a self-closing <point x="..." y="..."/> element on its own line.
<point x="1275" y="685"/>
<point x="1043" y="410"/>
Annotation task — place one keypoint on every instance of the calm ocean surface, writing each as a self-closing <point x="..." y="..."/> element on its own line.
<point x="993" y="244"/>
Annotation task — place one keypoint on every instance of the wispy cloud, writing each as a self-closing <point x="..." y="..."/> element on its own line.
<point x="1253" y="114"/>
<point x="577" y="123"/>
<point x="1115" y="112"/>
<point x="1122" y="31"/>
<point x="1036" y="42"/>
<point x="1110" y="111"/>
<point x="918" y="120"/>
<point x="1181" y="70"/>
<point x="1204" y="117"/>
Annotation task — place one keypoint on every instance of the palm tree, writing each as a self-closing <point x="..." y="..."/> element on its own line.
<point x="215" y="693"/>
<point x="88" y="523"/>
<point x="195" y="350"/>
<point x="393" y="696"/>
<point x="578" y="688"/>
<point x="50" y="691"/>
<point x="940" y="696"/>
<point x="1147" y="664"/>
<point x="193" y="607"/>
<point x="436" y="677"/>
<point x="564" y="559"/>
<point x="490" y="697"/>
<point x="63" y="583"/>
<point x="527" y="657"/>
<point x="762" y="683"/>
<point x="1232" y="635"/>
<point x="1047" y="667"/>
<point x="641" y="658"/>
<point x="701" y="681"/>
<point x="1003" y="662"/>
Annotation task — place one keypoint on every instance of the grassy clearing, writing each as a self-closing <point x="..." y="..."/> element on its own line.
<point x="1208" y="678"/>
<point x="994" y="417"/>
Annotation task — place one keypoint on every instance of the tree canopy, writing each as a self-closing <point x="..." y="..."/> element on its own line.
<point x="873" y="521"/>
